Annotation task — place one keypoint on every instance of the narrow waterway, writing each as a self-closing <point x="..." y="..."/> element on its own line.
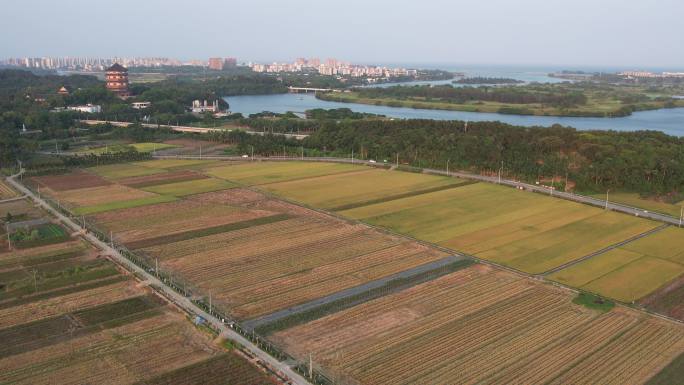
<point x="669" y="121"/>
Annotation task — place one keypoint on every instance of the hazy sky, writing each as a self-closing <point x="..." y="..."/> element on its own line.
<point x="570" y="32"/>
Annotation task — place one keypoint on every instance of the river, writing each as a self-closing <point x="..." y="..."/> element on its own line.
<point x="669" y="121"/>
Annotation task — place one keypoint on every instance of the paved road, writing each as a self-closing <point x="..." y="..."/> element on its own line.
<point x="174" y="296"/>
<point x="190" y="129"/>
<point x="482" y="178"/>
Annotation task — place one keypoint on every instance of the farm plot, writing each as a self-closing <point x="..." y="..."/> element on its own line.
<point x="75" y="180"/>
<point x="159" y="179"/>
<point x="526" y="231"/>
<point x="6" y="192"/>
<point x="631" y="271"/>
<point x="370" y="185"/>
<point x="192" y="147"/>
<point x="190" y="187"/>
<point x="124" y="170"/>
<point x="256" y="173"/>
<point x="176" y="164"/>
<point x="480" y="325"/>
<point x="274" y="266"/>
<point x="168" y="219"/>
<point x="19" y="210"/>
<point x="93" y="196"/>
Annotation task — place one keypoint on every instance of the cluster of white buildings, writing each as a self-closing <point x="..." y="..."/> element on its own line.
<point x="334" y="67"/>
<point x="87" y="63"/>
<point x="646" y="74"/>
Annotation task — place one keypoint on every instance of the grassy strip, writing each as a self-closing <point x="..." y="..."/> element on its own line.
<point x="401" y="196"/>
<point x="345" y="303"/>
<point x="594" y="302"/>
<point x="164" y="239"/>
<point x="227" y="368"/>
<point x="88" y="210"/>
<point x="58" y="293"/>
<point x="43" y="258"/>
<point x="68" y="278"/>
<point x="671" y="374"/>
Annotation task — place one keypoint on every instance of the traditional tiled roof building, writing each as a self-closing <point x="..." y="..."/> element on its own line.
<point x="117" y="80"/>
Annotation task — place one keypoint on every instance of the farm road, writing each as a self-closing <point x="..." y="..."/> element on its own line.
<point x="169" y="293"/>
<point x="352" y="291"/>
<point x="607" y="249"/>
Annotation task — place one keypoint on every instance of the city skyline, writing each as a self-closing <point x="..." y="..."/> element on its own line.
<point x="529" y="32"/>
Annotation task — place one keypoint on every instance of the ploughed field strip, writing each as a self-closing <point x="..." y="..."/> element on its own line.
<point x="290" y="256"/>
<point x="69" y="316"/>
<point x="480" y="325"/>
<point x="6" y="192"/>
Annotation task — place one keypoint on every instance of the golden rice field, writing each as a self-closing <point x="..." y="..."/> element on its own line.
<point x="332" y="191"/>
<point x="526" y="231"/>
<point x="484" y="326"/>
<point x="632" y="271"/>
<point x="256" y="173"/>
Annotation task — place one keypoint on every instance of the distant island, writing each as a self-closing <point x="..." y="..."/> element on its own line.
<point x="487" y="80"/>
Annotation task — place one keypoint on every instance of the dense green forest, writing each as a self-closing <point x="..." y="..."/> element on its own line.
<point x="516" y="95"/>
<point x="648" y="162"/>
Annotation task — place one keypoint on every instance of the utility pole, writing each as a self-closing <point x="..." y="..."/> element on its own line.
<point x="500" y="171"/>
<point x="302" y="152"/>
<point x="681" y="216"/>
<point x="156" y="267"/>
<point x="607" y="199"/>
<point x="310" y="366"/>
<point x="397" y="159"/>
<point x="35" y="282"/>
<point x="252" y="152"/>
<point x="352" y="156"/>
<point x="111" y="239"/>
<point x="209" y="301"/>
<point x="448" y="166"/>
<point x="200" y="151"/>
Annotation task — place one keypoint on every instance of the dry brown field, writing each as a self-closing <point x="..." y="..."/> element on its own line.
<point x="484" y="326"/>
<point x="75" y="180"/>
<point x="157" y="179"/>
<point x="92" y="196"/>
<point x="262" y="267"/>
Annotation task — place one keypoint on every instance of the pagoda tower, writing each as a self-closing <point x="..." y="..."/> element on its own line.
<point x="116" y="77"/>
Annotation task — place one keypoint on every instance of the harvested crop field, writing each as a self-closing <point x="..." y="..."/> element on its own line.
<point x="142" y="223"/>
<point x="526" y="231"/>
<point x="256" y="173"/>
<point x="69" y="316"/>
<point x="93" y="196"/>
<point x="632" y="271"/>
<point x="159" y="179"/>
<point x="6" y="192"/>
<point x="280" y="254"/>
<point x="75" y="180"/>
<point x="190" y="187"/>
<point x="176" y="164"/>
<point x="480" y="325"/>
<point x="124" y="170"/>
